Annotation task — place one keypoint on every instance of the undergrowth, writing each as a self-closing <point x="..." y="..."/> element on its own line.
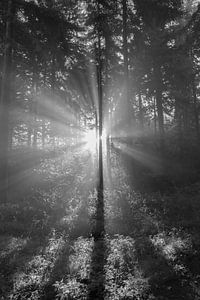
<point x="150" y="249"/>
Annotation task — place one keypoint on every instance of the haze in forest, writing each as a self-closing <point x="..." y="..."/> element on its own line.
<point x="99" y="149"/>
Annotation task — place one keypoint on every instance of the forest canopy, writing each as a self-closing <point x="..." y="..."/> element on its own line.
<point x="149" y="64"/>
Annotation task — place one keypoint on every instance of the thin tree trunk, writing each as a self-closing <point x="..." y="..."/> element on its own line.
<point x="125" y="54"/>
<point x="178" y="119"/>
<point x="127" y="106"/>
<point x="159" y="105"/>
<point x="96" y="287"/>
<point x="35" y="131"/>
<point x="43" y="118"/>
<point x="12" y="96"/>
<point x="196" y="114"/>
<point x="4" y="105"/>
<point x="53" y="81"/>
<point x="125" y="44"/>
<point x="155" y="115"/>
<point x="100" y="96"/>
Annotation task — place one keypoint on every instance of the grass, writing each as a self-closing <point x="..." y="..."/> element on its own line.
<point x="150" y="249"/>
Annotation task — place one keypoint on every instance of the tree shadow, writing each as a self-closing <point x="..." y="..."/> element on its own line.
<point x="165" y="281"/>
<point x="166" y="278"/>
<point x="16" y="260"/>
<point x="61" y="271"/>
<point x="154" y="224"/>
<point x="179" y="214"/>
<point x="97" y="273"/>
<point x="37" y="216"/>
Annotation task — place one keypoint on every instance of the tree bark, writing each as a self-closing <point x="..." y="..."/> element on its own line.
<point x="53" y="82"/>
<point x="196" y="114"/>
<point x="128" y="111"/>
<point x="100" y="96"/>
<point x="4" y="104"/>
<point x="159" y="104"/>
<point x="35" y="104"/>
<point x="125" y="44"/>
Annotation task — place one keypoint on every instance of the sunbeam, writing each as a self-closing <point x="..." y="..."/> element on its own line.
<point x="150" y="161"/>
<point x="99" y="149"/>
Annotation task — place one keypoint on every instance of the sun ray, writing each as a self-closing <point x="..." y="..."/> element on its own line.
<point x="151" y="161"/>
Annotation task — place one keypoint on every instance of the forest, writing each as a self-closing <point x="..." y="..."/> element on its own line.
<point x="100" y="149"/>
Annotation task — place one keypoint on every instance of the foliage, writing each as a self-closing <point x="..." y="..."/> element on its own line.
<point x="147" y="55"/>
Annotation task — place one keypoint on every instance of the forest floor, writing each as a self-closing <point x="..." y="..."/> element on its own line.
<point x="151" y="245"/>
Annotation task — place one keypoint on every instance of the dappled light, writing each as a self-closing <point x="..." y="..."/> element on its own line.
<point x="99" y="150"/>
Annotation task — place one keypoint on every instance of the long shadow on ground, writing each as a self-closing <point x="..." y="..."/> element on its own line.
<point x="167" y="252"/>
<point x="16" y="259"/>
<point x="97" y="272"/>
<point x="62" y="208"/>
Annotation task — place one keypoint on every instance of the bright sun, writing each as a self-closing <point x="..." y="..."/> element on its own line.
<point x="90" y="139"/>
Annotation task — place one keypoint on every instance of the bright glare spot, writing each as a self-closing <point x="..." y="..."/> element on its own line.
<point x="91" y="140"/>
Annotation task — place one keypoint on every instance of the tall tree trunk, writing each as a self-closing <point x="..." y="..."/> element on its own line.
<point x="96" y="286"/>
<point x="125" y="44"/>
<point x="12" y="96"/>
<point x="154" y="115"/>
<point x="125" y="54"/>
<point x="106" y="86"/>
<point x="128" y="111"/>
<point x="107" y="115"/>
<point x="35" y="104"/>
<point x="100" y="96"/>
<point x="53" y="82"/>
<point x="4" y="104"/>
<point x="43" y="118"/>
<point x="98" y="230"/>
<point x="159" y="104"/>
<point x="196" y="114"/>
<point x="178" y="119"/>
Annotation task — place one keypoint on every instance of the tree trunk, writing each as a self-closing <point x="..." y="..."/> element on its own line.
<point x="35" y="104"/>
<point x="53" y="82"/>
<point x="98" y="230"/>
<point x="178" y="119"/>
<point x="125" y="54"/>
<point x="12" y="96"/>
<point x="4" y="104"/>
<point x="43" y="118"/>
<point x="159" y="105"/>
<point x="128" y="111"/>
<point x="125" y="45"/>
<point x="196" y="114"/>
<point x="100" y="96"/>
